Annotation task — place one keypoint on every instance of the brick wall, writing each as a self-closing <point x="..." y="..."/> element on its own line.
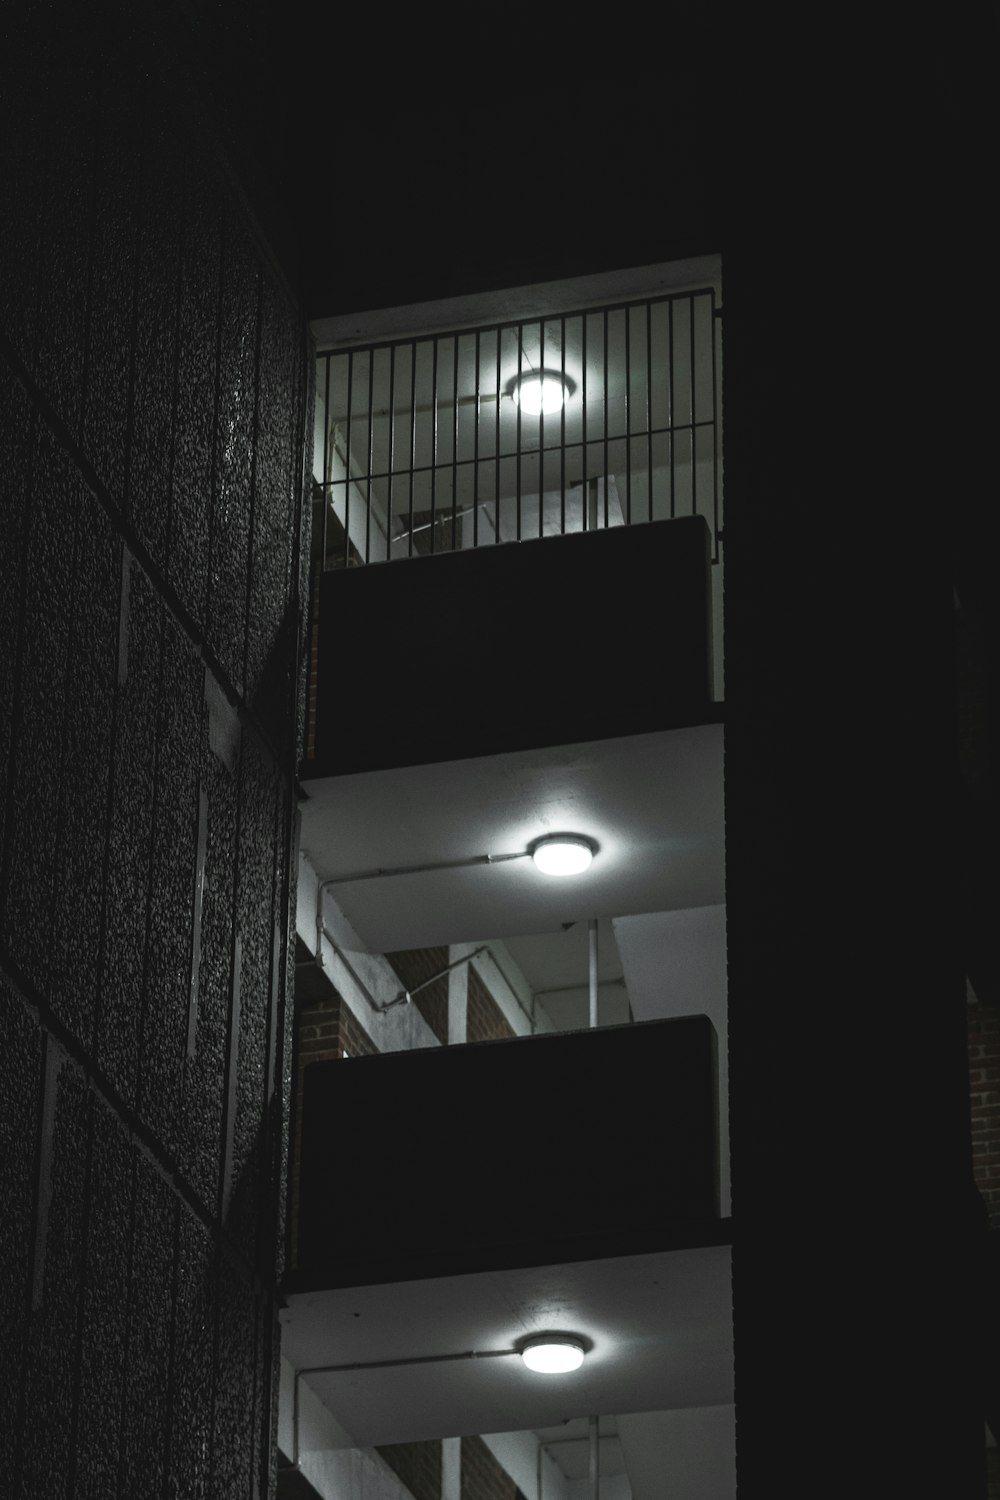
<point x="485" y="1020"/>
<point x="414" y="965"/>
<point x="418" y="1465"/>
<point x="482" y="1477"/>
<point x="984" y="1092"/>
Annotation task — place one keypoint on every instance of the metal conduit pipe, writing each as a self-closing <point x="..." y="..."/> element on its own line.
<point x="384" y="871"/>
<point x="455" y="963"/>
<point x="404" y="996"/>
<point x="323" y="885"/>
<point x="407" y="1360"/>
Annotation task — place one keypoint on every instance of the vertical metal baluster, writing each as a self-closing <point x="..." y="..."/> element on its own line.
<point x="562" y="430"/>
<point x="392" y="452"/>
<point x="434" y="435"/>
<point x="670" y="396"/>
<point x="715" y="436"/>
<point x="327" y="487"/>
<point x="371" y="453"/>
<point x="475" y="454"/>
<point x="584" y="476"/>
<point x="628" y="408"/>
<point x="454" y="450"/>
<point x="541" y="435"/>
<point x="496" y="453"/>
<point x="347" y="461"/>
<point x="649" y="409"/>
<point x="517" y="436"/>
<point x="694" y="434"/>
<point x="607" y="462"/>
<point x="413" y="441"/>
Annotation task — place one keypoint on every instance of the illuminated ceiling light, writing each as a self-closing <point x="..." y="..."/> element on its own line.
<point x="541" y="392"/>
<point x="563" y="853"/>
<point x="553" y="1354"/>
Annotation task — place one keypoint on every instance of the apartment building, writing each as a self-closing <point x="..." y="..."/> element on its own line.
<point x="168" y="241"/>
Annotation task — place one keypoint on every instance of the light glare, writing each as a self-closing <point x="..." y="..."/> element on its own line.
<point x="536" y="394"/>
<point x="553" y="1356"/>
<point x="563" y="854"/>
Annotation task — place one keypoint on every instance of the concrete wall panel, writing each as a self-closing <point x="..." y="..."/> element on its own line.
<point x="193" y="1360"/>
<point x="105" y="1304"/>
<point x="127" y="892"/>
<point x="86" y="768"/>
<point x="38" y="718"/>
<point x="21" y="1045"/>
<point x="243" y="1208"/>
<point x="52" y="1366"/>
<point x="147" y="1389"/>
<point x="267" y="686"/>
<point x="174" y="866"/>
<point x="234" y="450"/>
<point x="197" y="363"/>
<point x="155" y="353"/>
<point x="234" y="1435"/>
<point x="206" y="1067"/>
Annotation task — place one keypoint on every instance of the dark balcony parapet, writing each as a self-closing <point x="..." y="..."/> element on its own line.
<point x="553" y="641"/>
<point x="489" y="1156"/>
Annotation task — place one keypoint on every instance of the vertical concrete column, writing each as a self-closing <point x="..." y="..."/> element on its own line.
<point x="458" y="996"/>
<point x="451" y="1468"/>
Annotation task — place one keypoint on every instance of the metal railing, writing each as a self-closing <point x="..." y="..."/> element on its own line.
<point x="431" y="444"/>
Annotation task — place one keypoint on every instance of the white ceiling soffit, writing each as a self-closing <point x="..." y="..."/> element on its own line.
<point x="675" y="963"/>
<point x="661" y="1327"/>
<point x="543" y="299"/>
<point x="653" y="802"/>
<point x="694" y="1447"/>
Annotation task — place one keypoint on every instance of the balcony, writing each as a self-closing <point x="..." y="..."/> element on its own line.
<point x="514" y="635"/>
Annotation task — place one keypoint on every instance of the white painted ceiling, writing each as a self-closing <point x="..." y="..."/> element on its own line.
<point x="653" y="803"/>
<point x="661" y="1328"/>
<point x="694" y="1446"/>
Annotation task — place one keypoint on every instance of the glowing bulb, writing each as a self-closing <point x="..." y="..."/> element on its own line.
<point x="563" y="854"/>
<point x="540" y="393"/>
<point x="552" y="1355"/>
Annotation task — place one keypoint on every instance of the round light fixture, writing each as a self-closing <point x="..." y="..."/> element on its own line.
<point x="553" y="1354"/>
<point x="563" y="853"/>
<point x="541" y="392"/>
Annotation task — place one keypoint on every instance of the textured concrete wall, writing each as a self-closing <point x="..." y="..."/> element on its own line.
<point x="153" y="386"/>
